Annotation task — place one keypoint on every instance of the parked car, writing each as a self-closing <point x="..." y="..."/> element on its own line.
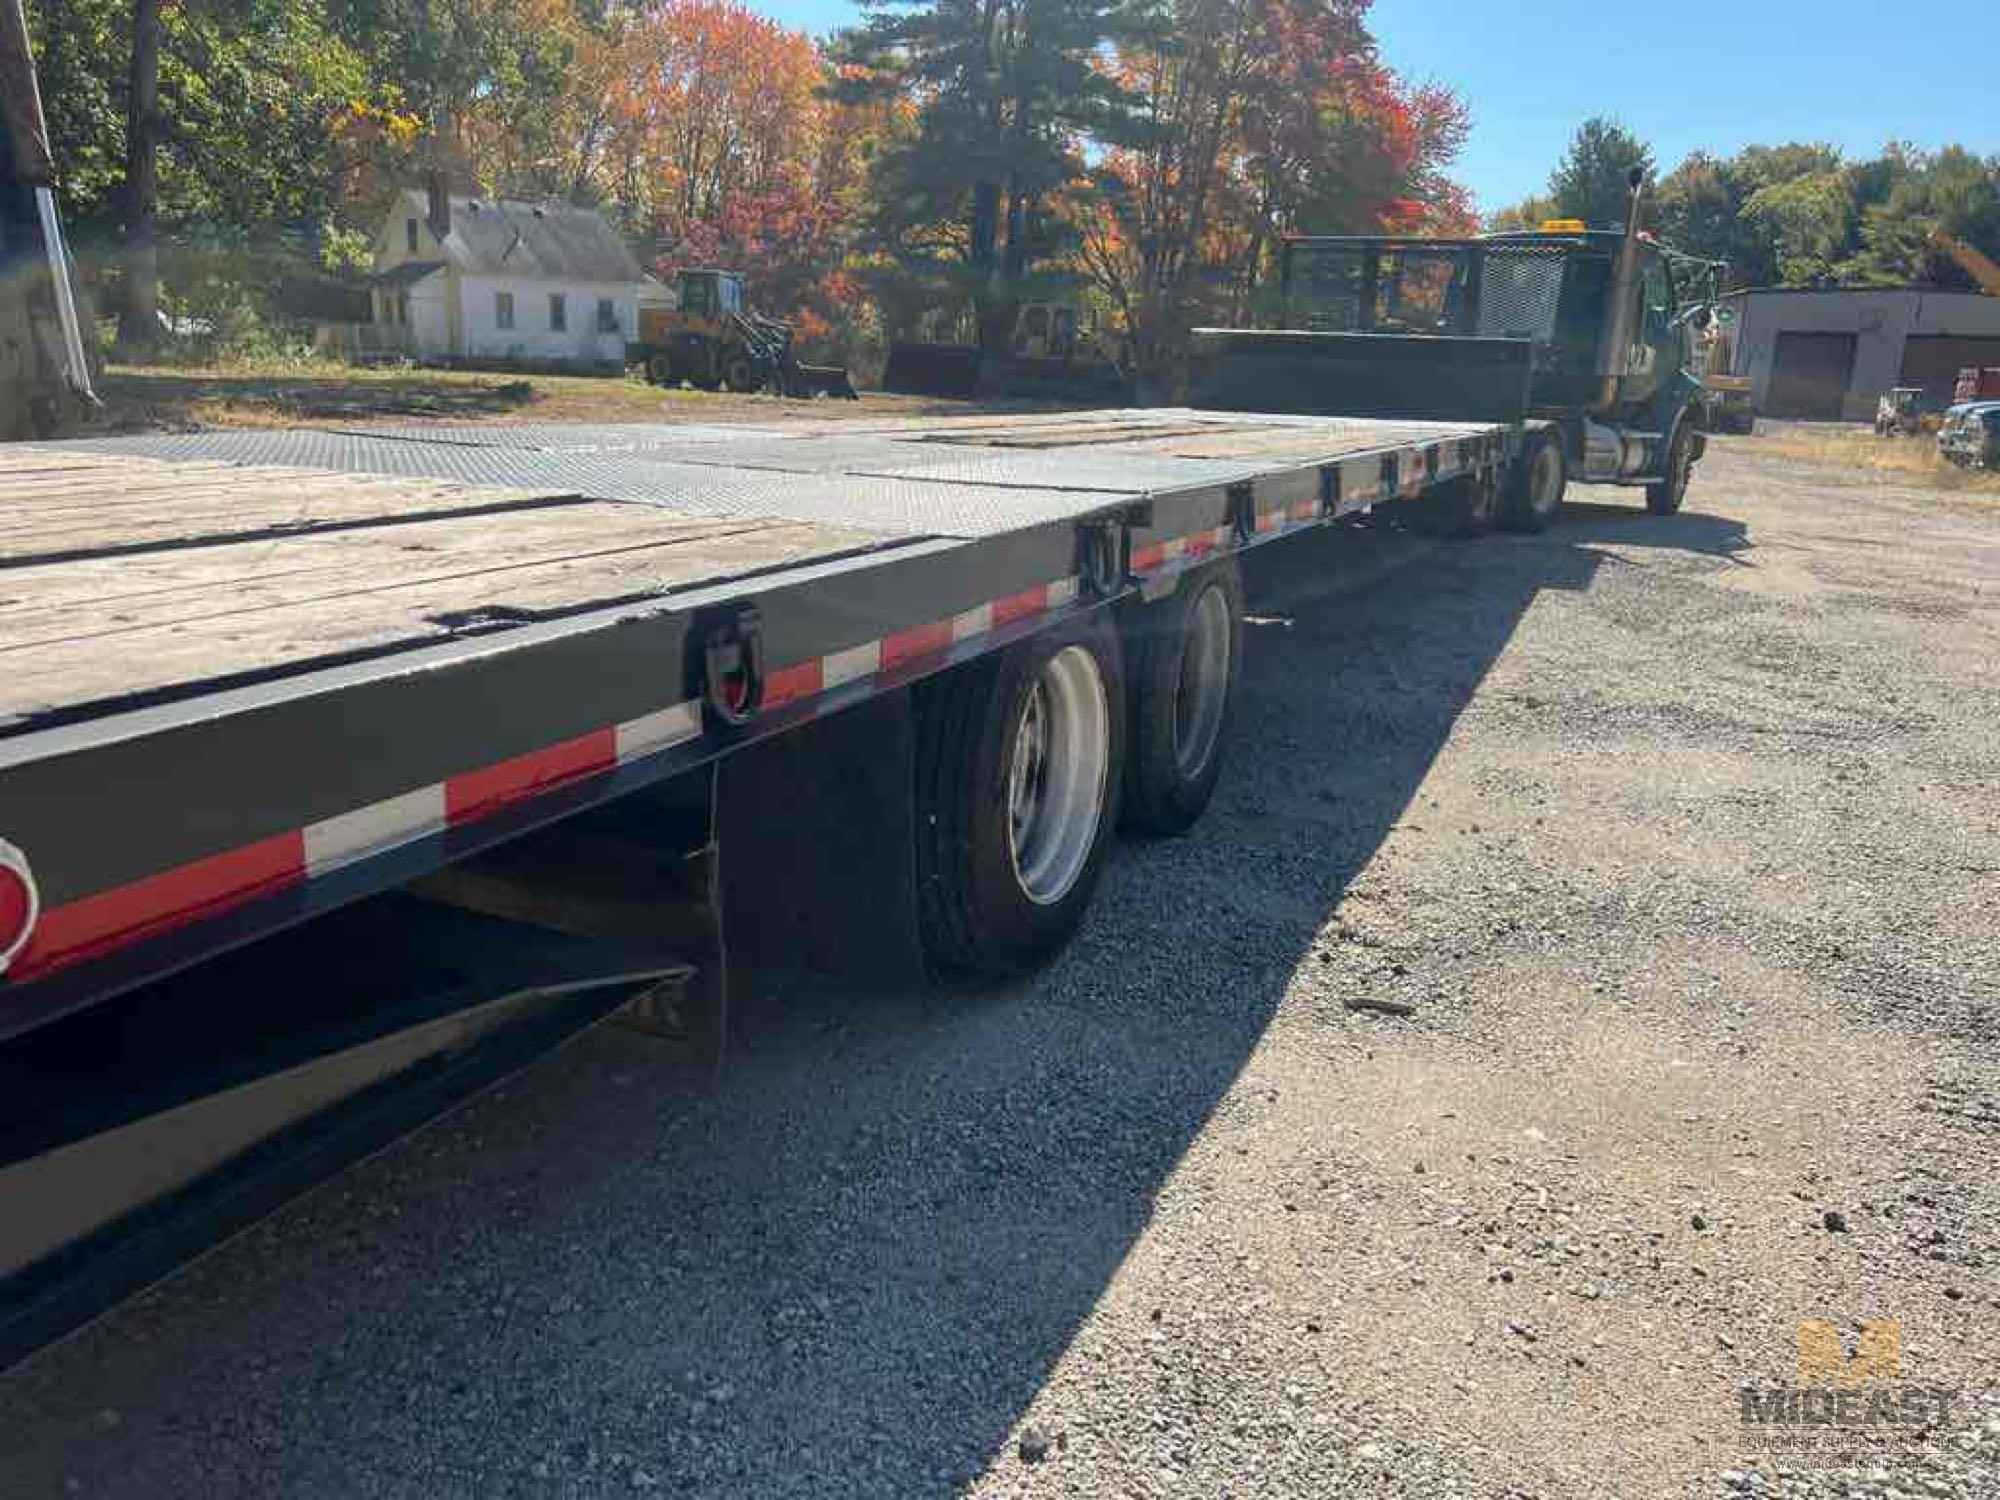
<point x="1969" y="436"/>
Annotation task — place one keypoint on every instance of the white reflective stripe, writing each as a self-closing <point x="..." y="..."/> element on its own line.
<point x="973" y="622"/>
<point x="1062" y="591"/>
<point x="1173" y="548"/>
<point x="845" y="666"/>
<point x="658" y="731"/>
<point x="341" y="840"/>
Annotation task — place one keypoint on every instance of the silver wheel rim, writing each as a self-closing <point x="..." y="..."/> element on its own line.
<point x="1203" y="686"/>
<point x="1542" y="480"/>
<point x="1056" y="777"/>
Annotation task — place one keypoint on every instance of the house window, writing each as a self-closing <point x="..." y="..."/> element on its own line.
<point x="607" y="315"/>
<point x="503" y="309"/>
<point x="558" y="312"/>
<point x="410" y="234"/>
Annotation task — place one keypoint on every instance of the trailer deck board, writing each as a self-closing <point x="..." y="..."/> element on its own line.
<point x="136" y="566"/>
<point x="272" y="567"/>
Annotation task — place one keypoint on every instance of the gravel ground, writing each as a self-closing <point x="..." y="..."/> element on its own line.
<point x="1679" y="840"/>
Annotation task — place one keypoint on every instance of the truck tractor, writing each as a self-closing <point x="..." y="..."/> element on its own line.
<point x="1576" y="338"/>
<point x="710" y="339"/>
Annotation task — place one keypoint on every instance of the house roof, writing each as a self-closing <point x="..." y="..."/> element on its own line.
<point x="503" y="237"/>
<point x="409" y="273"/>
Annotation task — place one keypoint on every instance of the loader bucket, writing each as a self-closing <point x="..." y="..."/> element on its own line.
<point x="824" y="380"/>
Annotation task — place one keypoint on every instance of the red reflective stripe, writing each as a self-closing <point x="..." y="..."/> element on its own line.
<point x="476" y="793"/>
<point x="1019" y="606"/>
<point x="789" y="683"/>
<point x="1200" y="542"/>
<point x="172" y="898"/>
<point x="908" y="645"/>
<point x="1149" y="557"/>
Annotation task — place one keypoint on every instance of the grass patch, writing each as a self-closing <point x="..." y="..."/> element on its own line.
<point x="1912" y="460"/>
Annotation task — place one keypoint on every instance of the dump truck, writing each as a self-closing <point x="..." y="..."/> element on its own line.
<point x="711" y="339"/>
<point x="345" y="771"/>
<point x="1573" y="338"/>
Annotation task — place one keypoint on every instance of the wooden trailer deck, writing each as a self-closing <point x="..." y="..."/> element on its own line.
<point x="135" y="569"/>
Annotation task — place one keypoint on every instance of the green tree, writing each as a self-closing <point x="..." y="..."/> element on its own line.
<point x="1591" y="182"/>
<point x="1006" y="91"/>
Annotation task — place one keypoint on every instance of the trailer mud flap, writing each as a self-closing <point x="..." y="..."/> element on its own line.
<point x="141" y="1132"/>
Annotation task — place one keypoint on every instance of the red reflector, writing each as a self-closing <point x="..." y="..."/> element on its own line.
<point x="17" y="903"/>
<point x="14" y="907"/>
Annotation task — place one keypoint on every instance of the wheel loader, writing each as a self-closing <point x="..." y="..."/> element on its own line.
<point x="44" y="371"/>
<point x="711" y="339"/>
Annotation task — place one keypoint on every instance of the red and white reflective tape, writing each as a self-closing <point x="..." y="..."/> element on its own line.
<point x="142" y="908"/>
<point x="822" y="674"/>
<point x="57" y="936"/>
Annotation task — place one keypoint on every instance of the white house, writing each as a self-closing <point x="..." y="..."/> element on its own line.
<point x="478" y="279"/>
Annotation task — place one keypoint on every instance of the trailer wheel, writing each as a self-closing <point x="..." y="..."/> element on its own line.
<point x="1665" y="497"/>
<point x="1535" y="485"/>
<point x="1457" y="507"/>
<point x="1186" y="653"/>
<point x="660" y="370"/>
<point x="1018" y="769"/>
<point x="739" y="372"/>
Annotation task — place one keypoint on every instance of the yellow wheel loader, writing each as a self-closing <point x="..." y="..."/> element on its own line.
<point x="710" y="339"/>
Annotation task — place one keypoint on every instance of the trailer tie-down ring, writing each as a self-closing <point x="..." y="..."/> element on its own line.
<point x="732" y="664"/>
<point x="1104" y="555"/>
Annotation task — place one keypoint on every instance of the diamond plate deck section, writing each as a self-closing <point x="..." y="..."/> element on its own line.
<point x="963" y="477"/>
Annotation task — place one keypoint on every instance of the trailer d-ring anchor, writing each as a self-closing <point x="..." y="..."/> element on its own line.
<point x="1104" y="555"/>
<point x="732" y="664"/>
<point x="1241" y="501"/>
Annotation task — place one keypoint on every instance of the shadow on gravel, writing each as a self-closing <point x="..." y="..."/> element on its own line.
<point x="851" y="1269"/>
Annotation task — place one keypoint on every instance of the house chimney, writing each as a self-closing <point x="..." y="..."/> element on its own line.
<point x="440" y="205"/>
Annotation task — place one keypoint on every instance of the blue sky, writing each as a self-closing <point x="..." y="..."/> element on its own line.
<point x="1853" y="72"/>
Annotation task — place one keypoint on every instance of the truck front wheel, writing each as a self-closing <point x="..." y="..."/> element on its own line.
<point x="1185" y="654"/>
<point x="1019" y="757"/>
<point x="1664" y="496"/>
<point x="1535" y="485"/>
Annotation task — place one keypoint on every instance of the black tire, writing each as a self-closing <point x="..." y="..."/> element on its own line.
<point x="660" y="371"/>
<point x="1456" y="508"/>
<point x="1535" y="485"/>
<point x="1664" y="497"/>
<point x="974" y="905"/>
<point x="739" y="372"/>
<point x="1180" y="712"/>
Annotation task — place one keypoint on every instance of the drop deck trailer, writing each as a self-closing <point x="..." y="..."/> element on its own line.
<point x="507" y="729"/>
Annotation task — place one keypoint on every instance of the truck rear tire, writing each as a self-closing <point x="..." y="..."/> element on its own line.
<point x="1535" y="485"/>
<point x="739" y="372"/>
<point x="1184" y="654"/>
<point x="1664" y="497"/>
<point x="1019" y="761"/>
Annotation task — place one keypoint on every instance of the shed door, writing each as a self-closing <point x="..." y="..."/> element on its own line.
<point x="1810" y="375"/>
<point x="1934" y="360"/>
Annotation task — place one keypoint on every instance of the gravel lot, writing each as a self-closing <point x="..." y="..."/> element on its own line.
<point x="1680" y="838"/>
